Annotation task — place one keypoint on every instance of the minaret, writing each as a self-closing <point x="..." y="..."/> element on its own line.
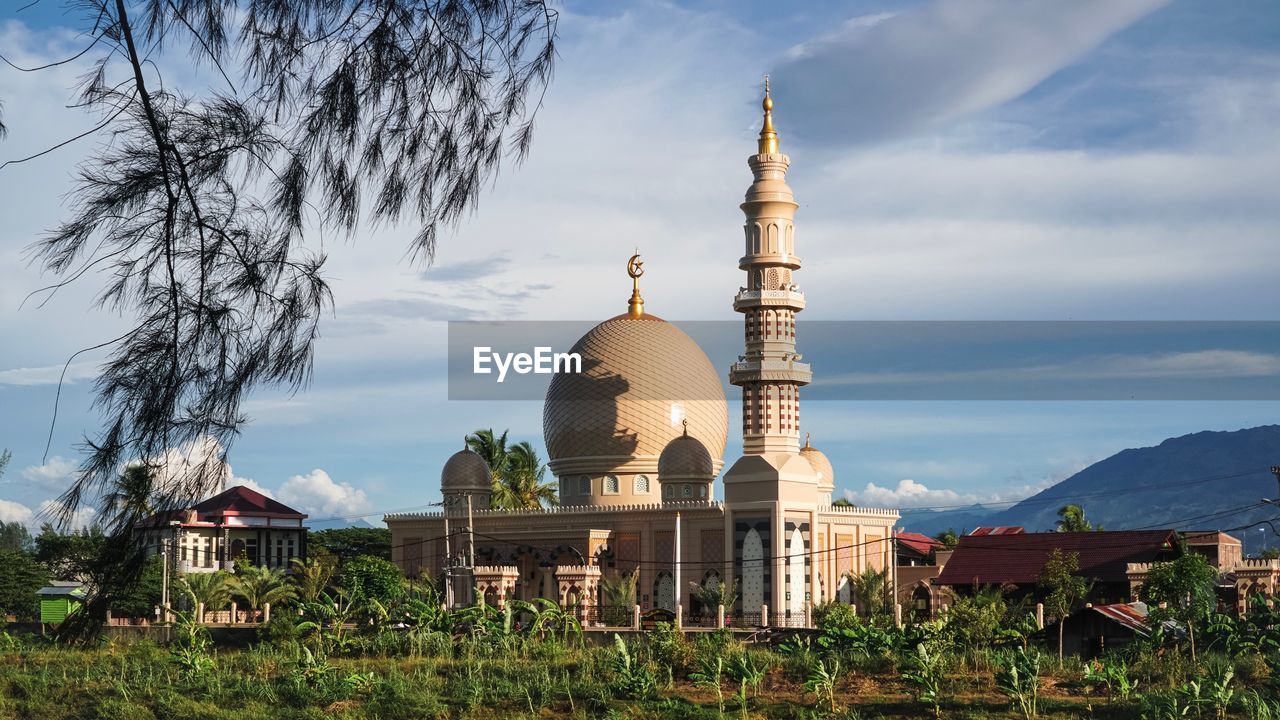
<point x="769" y="372"/>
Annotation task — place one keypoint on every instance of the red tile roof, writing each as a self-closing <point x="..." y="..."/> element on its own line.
<point x="1018" y="559"/>
<point x="240" y="500"/>
<point x="919" y="542"/>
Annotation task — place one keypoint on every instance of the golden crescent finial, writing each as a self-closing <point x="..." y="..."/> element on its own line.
<point x="635" y="268"/>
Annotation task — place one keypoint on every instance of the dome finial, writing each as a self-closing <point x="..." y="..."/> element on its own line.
<point x="806" y="440"/>
<point x="685" y="423"/>
<point x="768" y="144"/>
<point x="635" y="268"/>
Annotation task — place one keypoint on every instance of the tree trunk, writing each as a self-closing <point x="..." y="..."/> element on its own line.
<point x="1191" y="634"/>
<point x="1061" y="625"/>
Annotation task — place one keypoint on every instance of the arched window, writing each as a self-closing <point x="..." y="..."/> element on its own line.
<point x="611" y="485"/>
<point x="668" y="492"/>
<point x="641" y="485"/>
<point x="686" y="491"/>
<point x="702" y="491"/>
<point x="584" y="485"/>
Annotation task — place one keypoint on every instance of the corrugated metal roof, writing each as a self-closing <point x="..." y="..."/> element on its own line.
<point x="998" y="530"/>
<point x="1018" y="559"/>
<point x="919" y="542"/>
<point x="1130" y="615"/>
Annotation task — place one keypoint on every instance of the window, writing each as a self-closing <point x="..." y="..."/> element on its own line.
<point x="687" y="491"/>
<point x="668" y="492"/>
<point x="610" y="486"/>
<point x="641" y="485"/>
<point x="584" y="485"/>
<point x="702" y="491"/>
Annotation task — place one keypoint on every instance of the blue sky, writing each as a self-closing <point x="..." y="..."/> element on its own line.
<point x="961" y="160"/>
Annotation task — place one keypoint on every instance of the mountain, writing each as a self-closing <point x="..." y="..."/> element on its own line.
<point x="339" y="523"/>
<point x="932" y="522"/>
<point x="1202" y="481"/>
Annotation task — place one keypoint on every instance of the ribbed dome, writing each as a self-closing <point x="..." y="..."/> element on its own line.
<point x="820" y="464"/>
<point x="685" y="458"/>
<point x="466" y="471"/>
<point x="641" y="377"/>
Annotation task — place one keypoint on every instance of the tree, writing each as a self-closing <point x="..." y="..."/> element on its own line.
<point x="348" y="543"/>
<point x="1071" y="519"/>
<point x="1186" y="585"/>
<point x="139" y="598"/>
<point x="948" y="538"/>
<point x="841" y="502"/>
<point x="259" y="585"/>
<point x="311" y="577"/>
<point x="517" y="472"/>
<point x="70" y="556"/>
<point x="20" y="577"/>
<point x="869" y="589"/>
<point x="204" y="208"/>
<point x="213" y="589"/>
<point x="14" y="537"/>
<point x="1063" y="588"/>
<point x="522" y="486"/>
<point x="373" y="578"/>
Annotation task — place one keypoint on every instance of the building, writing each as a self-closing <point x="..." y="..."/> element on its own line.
<point x="1013" y="562"/>
<point x="59" y="599"/>
<point x="238" y="524"/>
<point x="636" y="441"/>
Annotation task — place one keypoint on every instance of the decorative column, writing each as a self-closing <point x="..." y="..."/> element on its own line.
<point x="496" y="583"/>
<point x="578" y="585"/>
<point x="769" y="372"/>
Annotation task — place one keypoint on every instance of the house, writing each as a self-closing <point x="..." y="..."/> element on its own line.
<point x="1014" y="561"/>
<point x="915" y="549"/>
<point x="59" y="599"/>
<point x="1094" y="629"/>
<point x="238" y="524"/>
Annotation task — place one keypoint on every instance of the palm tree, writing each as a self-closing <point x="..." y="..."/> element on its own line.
<point x="258" y="585"/>
<point x="869" y="588"/>
<point x="523" y="485"/>
<point x="311" y="577"/>
<point x="210" y="589"/>
<point x="1073" y="520"/>
<point x="493" y="448"/>
<point x="517" y="472"/>
<point x="130" y="498"/>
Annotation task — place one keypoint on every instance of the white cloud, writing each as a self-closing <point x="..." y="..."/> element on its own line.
<point x="56" y="474"/>
<point x="15" y="512"/>
<point x="931" y="65"/>
<point x="317" y="495"/>
<point x="911" y="494"/>
<point x="50" y="510"/>
<point x="49" y="374"/>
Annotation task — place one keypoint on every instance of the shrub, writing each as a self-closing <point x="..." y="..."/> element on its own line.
<point x="373" y="578"/>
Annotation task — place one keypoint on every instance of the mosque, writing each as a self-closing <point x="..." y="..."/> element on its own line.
<point x="636" y="441"/>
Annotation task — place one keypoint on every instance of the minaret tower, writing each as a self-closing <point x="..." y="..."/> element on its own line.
<point x="769" y="372"/>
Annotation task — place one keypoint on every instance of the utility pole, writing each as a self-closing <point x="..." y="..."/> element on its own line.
<point x="677" y="563"/>
<point x="164" y="584"/>
<point x="448" y="561"/>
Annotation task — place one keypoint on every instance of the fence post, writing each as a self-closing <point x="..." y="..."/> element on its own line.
<point x="200" y="613"/>
<point x="1039" y="616"/>
<point x="897" y="614"/>
<point x="720" y="616"/>
<point x="635" y="617"/>
<point x="266" y="612"/>
<point x="764" y="616"/>
<point x="235" y="614"/>
<point x="680" y="616"/>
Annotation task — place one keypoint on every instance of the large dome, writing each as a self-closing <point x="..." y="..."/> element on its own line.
<point x="641" y="378"/>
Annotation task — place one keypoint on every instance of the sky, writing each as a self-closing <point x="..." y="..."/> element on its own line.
<point x="953" y="160"/>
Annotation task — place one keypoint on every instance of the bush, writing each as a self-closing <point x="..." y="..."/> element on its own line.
<point x="835" y="616"/>
<point x="373" y="578"/>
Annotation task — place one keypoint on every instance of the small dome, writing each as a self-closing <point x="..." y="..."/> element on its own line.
<point x="466" y="471"/>
<point x="685" y="458"/>
<point x="820" y="464"/>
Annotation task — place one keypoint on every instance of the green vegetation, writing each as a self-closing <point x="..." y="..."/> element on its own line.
<point x="517" y="472"/>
